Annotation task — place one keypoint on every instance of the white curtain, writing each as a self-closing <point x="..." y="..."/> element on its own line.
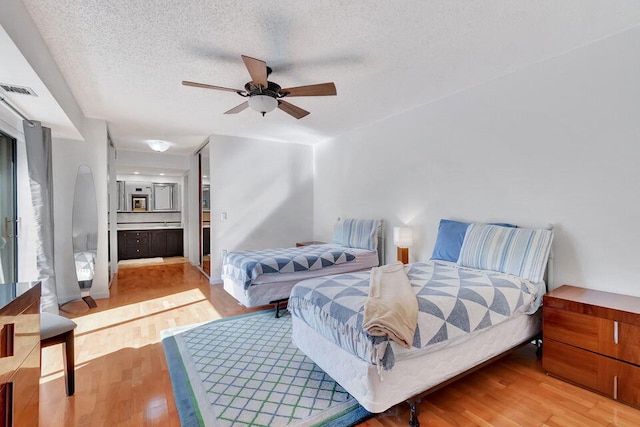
<point x="39" y="161"/>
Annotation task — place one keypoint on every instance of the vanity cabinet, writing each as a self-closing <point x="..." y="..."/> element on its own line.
<point x="133" y="244"/>
<point x="592" y="338"/>
<point x="19" y="354"/>
<point x="166" y="242"/>
<point x="136" y="244"/>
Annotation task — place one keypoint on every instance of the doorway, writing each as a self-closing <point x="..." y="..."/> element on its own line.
<point x="8" y="210"/>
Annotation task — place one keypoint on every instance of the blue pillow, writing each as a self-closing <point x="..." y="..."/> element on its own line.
<point x="450" y="238"/>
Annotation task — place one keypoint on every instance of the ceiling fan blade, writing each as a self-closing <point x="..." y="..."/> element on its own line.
<point x="257" y="70"/>
<point x="239" y="108"/>
<point x="296" y="112"/>
<point x="205" y="86"/>
<point x="322" y="89"/>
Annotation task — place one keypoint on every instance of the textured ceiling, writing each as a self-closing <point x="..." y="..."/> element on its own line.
<point x="124" y="60"/>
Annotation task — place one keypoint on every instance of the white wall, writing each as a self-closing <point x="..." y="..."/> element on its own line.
<point x="554" y="143"/>
<point x="68" y="155"/>
<point x="266" y="189"/>
<point x="152" y="159"/>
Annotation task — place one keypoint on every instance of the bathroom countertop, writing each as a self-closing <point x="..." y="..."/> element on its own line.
<point x="149" y="226"/>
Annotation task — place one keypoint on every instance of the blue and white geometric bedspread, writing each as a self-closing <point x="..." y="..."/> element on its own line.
<point x="245" y="266"/>
<point x="453" y="302"/>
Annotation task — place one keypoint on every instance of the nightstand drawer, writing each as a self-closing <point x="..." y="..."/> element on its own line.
<point x="605" y="336"/>
<point x="579" y="366"/>
<point x="592" y="338"/>
<point x="615" y="379"/>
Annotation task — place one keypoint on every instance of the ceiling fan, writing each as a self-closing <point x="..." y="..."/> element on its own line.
<point x="264" y="96"/>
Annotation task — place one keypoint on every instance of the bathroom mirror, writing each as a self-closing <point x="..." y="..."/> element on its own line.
<point x="205" y="213"/>
<point x="85" y="232"/>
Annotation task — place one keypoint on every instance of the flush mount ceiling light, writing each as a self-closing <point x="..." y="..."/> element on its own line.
<point x="158" y="145"/>
<point x="263" y="103"/>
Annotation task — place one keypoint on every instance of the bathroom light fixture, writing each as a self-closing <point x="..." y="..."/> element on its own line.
<point x="263" y="103"/>
<point x="158" y="145"/>
<point x="403" y="238"/>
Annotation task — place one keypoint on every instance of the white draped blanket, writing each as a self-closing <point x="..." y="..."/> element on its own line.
<point x="391" y="310"/>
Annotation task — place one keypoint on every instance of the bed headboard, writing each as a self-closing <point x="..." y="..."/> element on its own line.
<point x="549" y="275"/>
<point x="381" y="249"/>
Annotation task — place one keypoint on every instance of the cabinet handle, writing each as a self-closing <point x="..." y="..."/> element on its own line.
<point x="615" y="387"/>
<point x="615" y="332"/>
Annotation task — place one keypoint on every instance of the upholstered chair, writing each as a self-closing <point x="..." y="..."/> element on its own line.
<point x="55" y="329"/>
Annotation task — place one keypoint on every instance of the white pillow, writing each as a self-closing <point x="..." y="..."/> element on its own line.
<point x="521" y="252"/>
<point x="360" y="233"/>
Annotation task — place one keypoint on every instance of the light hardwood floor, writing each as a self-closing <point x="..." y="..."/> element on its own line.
<point x="122" y="377"/>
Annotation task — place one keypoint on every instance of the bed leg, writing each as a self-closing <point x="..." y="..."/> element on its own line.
<point x="413" y="412"/>
<point x="539" y="346"/>
<point x="277" y="304"/>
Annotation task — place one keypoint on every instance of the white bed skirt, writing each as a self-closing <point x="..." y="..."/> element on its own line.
<point x="411" y="376"/>
<point x="259" y="294"/>
<point x="273" y="287"/>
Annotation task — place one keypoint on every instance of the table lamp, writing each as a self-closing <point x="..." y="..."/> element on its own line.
<point x="403" y="238"/>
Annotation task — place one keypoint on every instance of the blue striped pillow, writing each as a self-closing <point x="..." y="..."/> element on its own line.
<point x="521" y="252"/>
<point x="360" y="233"/>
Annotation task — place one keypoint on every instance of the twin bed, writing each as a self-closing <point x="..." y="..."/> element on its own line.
<point x="478" y="298"/>
<point x="267" y="276"/>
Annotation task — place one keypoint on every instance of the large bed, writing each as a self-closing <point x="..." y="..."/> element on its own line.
<point x="467" y="315"/>
<point x="262" y="277"/>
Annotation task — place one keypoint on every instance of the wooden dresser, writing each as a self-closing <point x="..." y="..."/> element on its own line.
<point x="19" y="354"/>
<point x="592" y="339"/>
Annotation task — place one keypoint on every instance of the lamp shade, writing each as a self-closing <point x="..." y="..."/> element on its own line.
<point x="403" y="236"/>
<point x="263" y="103"/>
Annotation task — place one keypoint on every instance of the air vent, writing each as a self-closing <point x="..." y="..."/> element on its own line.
<point x="21" y="90"/>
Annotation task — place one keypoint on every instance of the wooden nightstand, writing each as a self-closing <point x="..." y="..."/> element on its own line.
<point x="309" y="243"/>
<point x="592" y="339"/>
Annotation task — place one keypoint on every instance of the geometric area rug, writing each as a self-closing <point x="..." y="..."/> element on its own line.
<point x="244" y="371"/>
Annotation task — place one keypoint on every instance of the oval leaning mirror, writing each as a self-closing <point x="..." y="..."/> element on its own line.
<point x="85" y="232"/>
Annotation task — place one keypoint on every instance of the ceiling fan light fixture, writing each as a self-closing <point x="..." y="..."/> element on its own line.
<point x="263" y="103"/>
<point x="158" y="145"/>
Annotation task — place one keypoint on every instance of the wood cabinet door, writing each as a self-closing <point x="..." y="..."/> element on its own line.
<point x="26" y="391"/>
<point x="625" y="346"/>
<point x="158" y="243"/>
<point x="572" y="328"/>
<point x="615" y="339"/>
<point x="628" y="384"/>
<point x="175" y="245"/>
<point x="122" y="248"/>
